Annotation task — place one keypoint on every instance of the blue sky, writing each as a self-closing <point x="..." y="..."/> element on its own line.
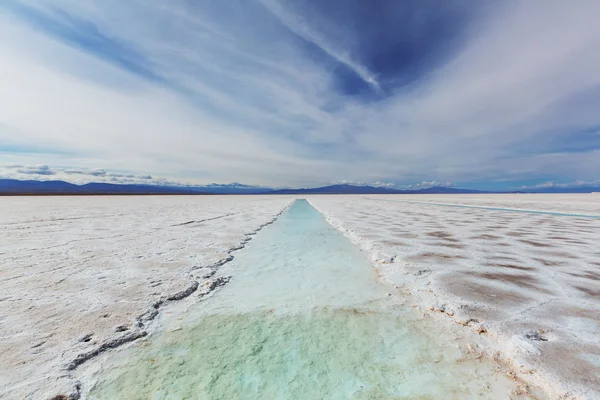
<point x="411" y="93"/>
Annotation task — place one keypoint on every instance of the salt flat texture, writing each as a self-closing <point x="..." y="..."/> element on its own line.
<point x="82" y="274"/>
<point x="529" y="281"/>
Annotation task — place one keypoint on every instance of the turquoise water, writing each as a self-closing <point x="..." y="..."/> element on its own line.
<point x="303" y="318"/>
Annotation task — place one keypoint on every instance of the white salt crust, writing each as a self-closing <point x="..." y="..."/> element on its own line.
<point x="529" y="282"/>
<point x="80" y="275"/>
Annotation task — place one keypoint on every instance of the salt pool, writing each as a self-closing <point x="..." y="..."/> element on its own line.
<point x="302" y="318"/>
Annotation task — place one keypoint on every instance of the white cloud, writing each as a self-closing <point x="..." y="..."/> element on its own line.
<point x="92" y="172"/>
<point x="384" y="184"/>
<point x="360" y="183"/>
<point x="402" y="186"/>
<point x="80" y="176"/>
<point x="36" y="170"/>
<point x="574" y="184"/>
<point x="425" y="185"/>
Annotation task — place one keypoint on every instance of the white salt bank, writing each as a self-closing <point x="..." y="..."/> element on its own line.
<point x="521" y="270"/>
<point x="79" y="274"/>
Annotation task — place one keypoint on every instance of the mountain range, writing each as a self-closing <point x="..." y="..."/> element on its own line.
<point x="33" y="187"/>
<point x="352" y="189"/>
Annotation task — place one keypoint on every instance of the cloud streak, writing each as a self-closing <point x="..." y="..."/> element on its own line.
<point x="35" y="170"/>
<point x="301" y="27"/>
<point x="575" y="184"/>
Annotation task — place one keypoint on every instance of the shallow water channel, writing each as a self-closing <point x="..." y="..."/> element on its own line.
<point x="302" y="318"/>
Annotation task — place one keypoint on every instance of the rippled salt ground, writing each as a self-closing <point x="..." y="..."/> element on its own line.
<point x="303" y="318"/>
<point x="531" y="281"/>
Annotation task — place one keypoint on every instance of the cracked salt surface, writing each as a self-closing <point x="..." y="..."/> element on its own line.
<point x="303" y="317"/>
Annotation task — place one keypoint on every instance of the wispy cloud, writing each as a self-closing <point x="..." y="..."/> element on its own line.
<point x="92" y="172"/>
<point x="574" y="184"/>
<point x="80" y="176"/>
<point x="359" y="183"/>
<point x="426" y="184"/>
<point x="273" y="93"/>
<point x="300" y="26"/>
<point x="35" y="170"/>
<point x="84" y="35"/>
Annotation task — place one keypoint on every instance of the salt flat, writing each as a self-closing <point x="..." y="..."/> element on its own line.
<point x="530" y="281"/>
<point x="77" y="273"/>
<point x="303" y="317"/>
<point x="81" y="274"/>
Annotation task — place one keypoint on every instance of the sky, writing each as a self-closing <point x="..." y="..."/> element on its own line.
<point x="412" y="93"/>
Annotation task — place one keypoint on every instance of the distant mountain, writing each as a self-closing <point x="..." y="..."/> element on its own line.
<point x="233" y="185"/>
<point x="446" y="190"/>
<point x="13" y="187"/>
<point x="229" y="188"/>
<point x="17" y="187"/>
<point x="108" y="188"/>
<point x="351" y="189"/>
<point x="32" y="187"/>
<point x="337" y="189"/>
